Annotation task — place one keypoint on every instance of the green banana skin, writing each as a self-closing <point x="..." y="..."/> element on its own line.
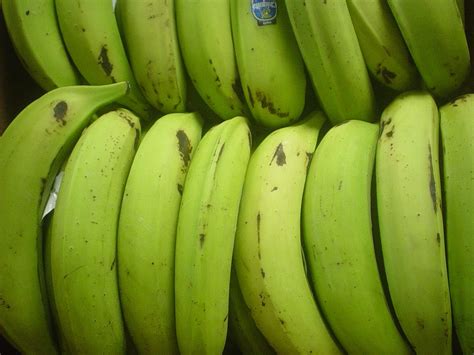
<point x="434" y="33"/>
<point x="382" y="44"/>
<point x="92" y="37"/>
<point x="147" y="231"/>
<point x="338" y="241"/>
<point x="268" y="59"/>
<point x="457" y="136"/>
<point x="411" y="221"/>
<point x="32" y="149"/>
<point x="205" y="236"/>
<point x="268" y="254"/>
<point x="242" y="327"/>
<point x="205" y="38"/>
<point x="149" y="30"/>
<point x="83" y="236"/>
<point x="336" y="67"/>
<point x="34" y="31"/>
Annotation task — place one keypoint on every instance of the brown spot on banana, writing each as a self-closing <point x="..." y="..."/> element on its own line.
<point x="279" y="155"/>
<point x="184" y="146"/>
<point x="60" y="111"/>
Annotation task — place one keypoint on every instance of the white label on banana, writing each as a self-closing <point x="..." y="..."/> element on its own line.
<point x="53" y="196"/>
<point x="264" y="11"/>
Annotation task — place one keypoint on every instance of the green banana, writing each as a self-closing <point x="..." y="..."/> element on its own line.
<point x="268" y="254"/>
<point x="147" y="231"/>
<point x="83" y="236"/>
<point x="457" y="137"/>
<point x="461" y="9"/>
<point x="149" y="31"/>
<point x="205" y="236"/>
<point x="242" y="327"/>
<point x="269" y="63"/>
<point x="434" y="33"/>
<point x="91" y="34"/>
<point x="385" y="52"/>
<point x="32" y="150"/>
<point x="34" y="31"/>
<point x="331" y="51"/>
<point x="338" y="242"/>
<point x="411" y="221"/>
<point x="205" y="38"/>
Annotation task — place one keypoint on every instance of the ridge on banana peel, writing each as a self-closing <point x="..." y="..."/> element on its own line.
<point x="32" y="150"/>
<point x="268" y="253"/>
<point x="411" y="221"/>
<point x="457" y="136"/>
<point x="205" y="236"/>
<point x="83" y="236"/>
<point x="147" y="230"/>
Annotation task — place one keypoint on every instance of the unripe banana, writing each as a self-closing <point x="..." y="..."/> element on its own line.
<point x="31" y="151"/>
<point x="268" y="254"/>
<point x="434" y="33"/>
<point x="331" y="52"/>
<point x="149" y="30"/>
<point x="84" y="233"/>
<point x="457" y="136"/>
<point x="205" y="236"/>
<point x="205" y="38"/>
<point x="242" y="327"/>
<point x="147" y="231"/>
<point x="91" y="34"/>
<point x="384" y="49"/>
<point x="338" y="241"/>
<point x="411" y="221"/>
<point x="270" y="66"/>
<point x="34" y="31"/>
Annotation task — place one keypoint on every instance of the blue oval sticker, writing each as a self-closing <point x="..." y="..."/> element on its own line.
<point x="264" y="11"/>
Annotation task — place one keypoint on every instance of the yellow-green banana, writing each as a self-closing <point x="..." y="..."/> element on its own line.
<point x="34" y="31"/>
<point x="147" y="231"/>
<point x="269" y="63"/>
<point x="149" y="31"/>
<point x="384" y="49"/>
<point x="331" y="52"/>
<point x="84" y="232"/>
<point x="32" y="149"/>
<point x="242" y="328"/>
<point x="268" y="254"/>
<point x="205" y="38"/>
<point x="434" y="33"/>
<point x="457" y="138"/>
<point x="338" y="241"/>
<point x="205" y="236"/>
<point x="411" y="221"/>
<point x="91" y="34"/>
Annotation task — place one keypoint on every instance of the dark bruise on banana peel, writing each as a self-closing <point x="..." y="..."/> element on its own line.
<point x="184" y="146"/>
<point x="279" y="155"/>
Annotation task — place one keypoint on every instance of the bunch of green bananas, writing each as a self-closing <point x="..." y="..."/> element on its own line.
<point x="178" y="189"/>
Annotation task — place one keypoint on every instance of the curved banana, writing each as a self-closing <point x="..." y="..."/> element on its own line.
<point x="331" y="51"/>
<point x="338" y="242"/>
<point x="147" y="231"/>
<point x="457" y="137"/>
<point x="434" y="33"/>
<point x="34" y="31"/>
<point x="242" y="327"/>
<point x="411" y="221"/>
<point x="32" y="150"/>
<point x="149" y="31"/>
<point x="83" y="236"/>
<point x="91" y="34"/>
<point x="268" y="254"/>
<point x="269" y="63"/>
<point x="384" y="49"/>
<point x="205" y="38"/>
<point x="205" y="236"/>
